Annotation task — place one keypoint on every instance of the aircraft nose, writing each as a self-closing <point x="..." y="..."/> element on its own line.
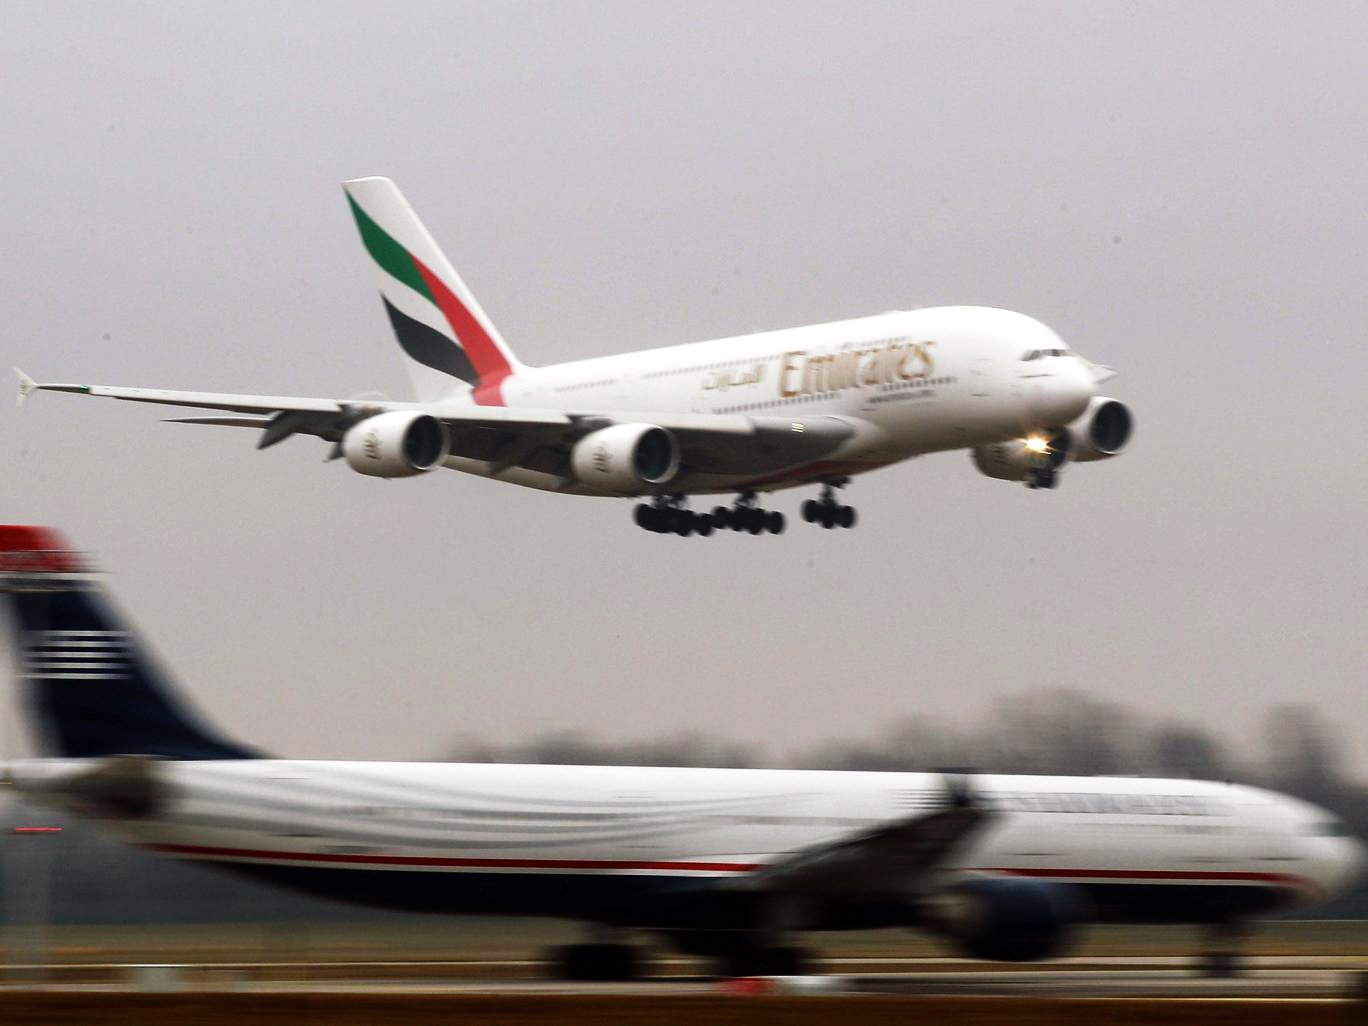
<point x="1067" y="391"/>
<point x="1337" y="863"/>
<point x="1352" y="862"/>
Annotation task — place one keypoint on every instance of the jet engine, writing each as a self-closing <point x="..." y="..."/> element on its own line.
<point x="1021" y="457"/>
<point x="1008" y="919"/>
<point x="1101" y="431"/>
<point x="625" y="459"/>
<point x="401" y="443"/>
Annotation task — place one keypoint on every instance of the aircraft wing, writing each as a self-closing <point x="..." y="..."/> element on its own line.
<point x="892" y="858"/>
<point x="539" y="439"/>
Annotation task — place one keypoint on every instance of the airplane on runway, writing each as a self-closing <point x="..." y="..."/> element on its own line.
<point x="809" y="406"/>
<point x="726" y="863"/>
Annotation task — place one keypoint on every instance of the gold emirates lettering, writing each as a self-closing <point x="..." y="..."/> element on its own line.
<point x="804" y="373"/>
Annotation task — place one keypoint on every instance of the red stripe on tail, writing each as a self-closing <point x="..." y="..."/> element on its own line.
<point x="485" y="357"/>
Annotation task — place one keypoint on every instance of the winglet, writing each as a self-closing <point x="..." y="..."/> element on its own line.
<point x="26" y="386"/>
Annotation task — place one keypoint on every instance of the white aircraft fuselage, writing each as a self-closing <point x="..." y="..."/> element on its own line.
<point x="620" y="845"/>
<point x="908" y="384"/>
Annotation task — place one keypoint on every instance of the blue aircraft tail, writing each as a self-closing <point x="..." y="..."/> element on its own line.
<point x="90" y="686"/>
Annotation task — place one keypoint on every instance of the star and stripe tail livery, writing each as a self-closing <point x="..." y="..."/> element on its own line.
<point x="813" y="406"/>
<point x="729" y="864"/>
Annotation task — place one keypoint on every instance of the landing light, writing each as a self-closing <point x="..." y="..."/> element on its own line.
<point x="1037" y="445"/>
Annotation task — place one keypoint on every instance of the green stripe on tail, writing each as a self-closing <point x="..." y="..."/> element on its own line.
<point x="393" y="258"/>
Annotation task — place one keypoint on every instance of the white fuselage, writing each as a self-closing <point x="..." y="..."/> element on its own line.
<point x="571" y="840"/>
<point x="909" y="383"/>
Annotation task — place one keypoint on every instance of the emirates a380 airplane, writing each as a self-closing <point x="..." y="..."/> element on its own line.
<point x="756" y="413"/>
<point x="729" y="864"/>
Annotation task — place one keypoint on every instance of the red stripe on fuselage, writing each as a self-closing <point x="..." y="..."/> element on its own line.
<point x="1285" y="879"/>
<point x="456" y="863"/>
<point x="485" y="357"/>
<point x="677" y="866"/>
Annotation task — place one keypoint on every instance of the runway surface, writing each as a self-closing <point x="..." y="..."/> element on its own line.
<point x="1304" y="974"/>
<point x="1287" y="977"/>
<point x="1281" y="991"/>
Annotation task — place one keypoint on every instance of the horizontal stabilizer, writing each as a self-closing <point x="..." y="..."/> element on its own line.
<point x="118" y="787"/>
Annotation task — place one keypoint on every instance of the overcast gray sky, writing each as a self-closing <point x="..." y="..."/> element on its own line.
<point x="1178" y="189"/>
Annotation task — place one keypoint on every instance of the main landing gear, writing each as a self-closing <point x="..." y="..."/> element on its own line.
<point x="668" y="515"/>
<point x="780" y="960"/>
<point x="745" y="515"/>
<point x="825" y="510"/>
<point x="1223" y="957"/>
<point x="604" y="962"/>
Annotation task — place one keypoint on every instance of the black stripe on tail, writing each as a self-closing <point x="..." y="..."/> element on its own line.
<point x="429" y="346"/>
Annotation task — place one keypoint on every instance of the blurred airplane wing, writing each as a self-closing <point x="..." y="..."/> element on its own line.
<point x="887" y="859"/>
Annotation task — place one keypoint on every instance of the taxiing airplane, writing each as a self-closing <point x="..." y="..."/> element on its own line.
<point x="756" y="413"/>
<point x="726" y="863"/>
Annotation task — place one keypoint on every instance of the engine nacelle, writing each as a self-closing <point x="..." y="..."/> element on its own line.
<point x="625" y="459"/>
<point x="1101" y="431"/>
<point x="401" y="443"/>
<point x="1013" y="460"/>
<point x="1009" y="919"/>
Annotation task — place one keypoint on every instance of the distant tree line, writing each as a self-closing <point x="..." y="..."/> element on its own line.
<point x="1058" y="731"/>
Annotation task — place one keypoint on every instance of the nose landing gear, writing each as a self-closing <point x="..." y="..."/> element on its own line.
<point x="826" y="511"/>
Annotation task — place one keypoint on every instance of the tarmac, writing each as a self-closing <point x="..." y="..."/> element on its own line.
<point x="1264" y="977"/>
<point x="1305" y="974"/>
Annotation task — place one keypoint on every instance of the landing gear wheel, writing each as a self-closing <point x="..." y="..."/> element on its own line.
<point x="1219" y="965"/>
<point x="721" y="517"/>
<point x="755" y="521"/>
<point x="825" y="510"/>
<point x="774" y="522"/>
<point x="1224" y="957"/>
<point x="782" y="960"/>
<point x="668" y="515"/>
<point x="600" y="962"/>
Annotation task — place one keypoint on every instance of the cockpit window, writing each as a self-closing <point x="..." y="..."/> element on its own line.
<point x="1036" y="354"/>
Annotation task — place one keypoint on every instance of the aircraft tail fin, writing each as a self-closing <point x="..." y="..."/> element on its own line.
<point x="447" y="339"/>
<point x="90" y="686"/>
